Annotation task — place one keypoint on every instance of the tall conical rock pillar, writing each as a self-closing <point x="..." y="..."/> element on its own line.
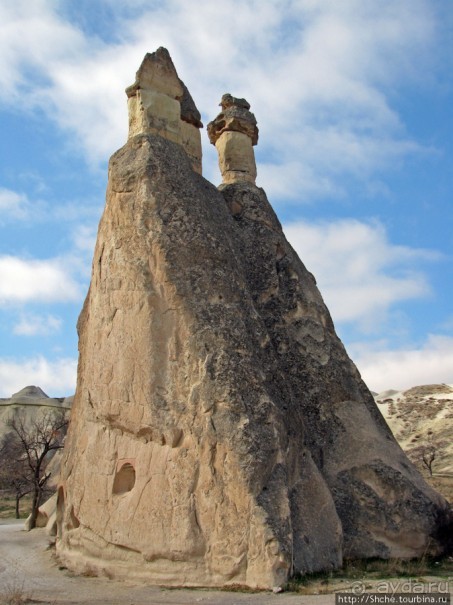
<point x="220" y="434"/>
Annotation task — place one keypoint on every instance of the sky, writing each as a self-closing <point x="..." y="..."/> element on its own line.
<point x="354" y="106"/>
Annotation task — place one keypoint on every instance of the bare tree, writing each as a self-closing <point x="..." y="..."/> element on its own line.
<point x="37" y="439"/>
<point x="14" y="476"/>
<point x="426" y="453"/>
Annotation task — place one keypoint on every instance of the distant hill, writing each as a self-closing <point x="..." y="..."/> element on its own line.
<point x="35" y="396"/>
<point x="31" y="399"/>
<point x="422" y="417"/>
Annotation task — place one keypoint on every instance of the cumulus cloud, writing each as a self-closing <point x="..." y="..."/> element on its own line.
<point x="84" y="237"/>
<point x="57" y="378"/>
<point x="359" y="272"/>
<point x="13" y="205"/>
<point x="31" y="324"/>
<point x="62" y="279"/>
<point x="401" y="369"/>
<point x="33" y="39"/>
<point x="31" y="280"/>
<point x="18" y="206"/>
<point x="315" y="73"/>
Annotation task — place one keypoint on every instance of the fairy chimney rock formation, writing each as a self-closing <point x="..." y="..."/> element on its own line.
<point x="234" y="132"/>
<point x="159" y="103"/>
<point x="220" y="434"/>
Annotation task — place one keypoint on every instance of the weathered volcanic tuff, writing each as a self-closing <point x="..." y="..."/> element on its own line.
<point x="220" y="434"/>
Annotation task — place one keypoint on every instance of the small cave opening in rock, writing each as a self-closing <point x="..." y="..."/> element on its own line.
<point x="124" y="479"/>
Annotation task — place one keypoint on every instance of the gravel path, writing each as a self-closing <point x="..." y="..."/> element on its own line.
<point x="27" y="564"/>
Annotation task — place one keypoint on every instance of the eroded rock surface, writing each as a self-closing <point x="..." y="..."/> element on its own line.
<point x="220" y="434"/>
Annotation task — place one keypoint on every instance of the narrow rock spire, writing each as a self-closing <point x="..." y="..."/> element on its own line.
<point x="234" y="132"/>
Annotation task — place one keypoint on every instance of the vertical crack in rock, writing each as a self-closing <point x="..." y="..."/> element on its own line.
<point x="220" y="434"/>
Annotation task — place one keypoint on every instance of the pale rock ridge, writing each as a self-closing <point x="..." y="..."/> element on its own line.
<point x="234" y="132"/>
<point x="159" y="103"/>
<point x="26" y="399"/>
<point x="220" y="434"/>
<point x="29" y="403"/>
<point x="419" y="417"/>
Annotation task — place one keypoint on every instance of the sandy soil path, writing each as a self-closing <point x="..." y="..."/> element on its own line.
<point x="26" y="563"/>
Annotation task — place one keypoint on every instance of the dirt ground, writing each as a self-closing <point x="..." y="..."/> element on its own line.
<point x="27" y="566"/>
<point x="28" y="569"/>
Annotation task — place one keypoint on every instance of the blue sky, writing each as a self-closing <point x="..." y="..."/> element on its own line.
<point x="354" y="104"/>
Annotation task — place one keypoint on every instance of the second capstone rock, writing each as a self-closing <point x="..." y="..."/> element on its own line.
<point x="234" y="132"/>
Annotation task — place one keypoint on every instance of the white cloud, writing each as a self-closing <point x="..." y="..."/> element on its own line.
<point x="316" y="74"/>
<point x="79" y="257"/>
<point x="33" y="38"/>
<point x="359" y="272"/>
<point x="294" y="181"/>
<point x="17" y="206"/>
<point x="37" y="325"/>
<point x="447" y="324"/>
<point x="84" y="237"/>
<point x="401" y="369"/>
<point x="56" y="378"/>
<point x="36" y="281"/>
<point x="13" y="205"/>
